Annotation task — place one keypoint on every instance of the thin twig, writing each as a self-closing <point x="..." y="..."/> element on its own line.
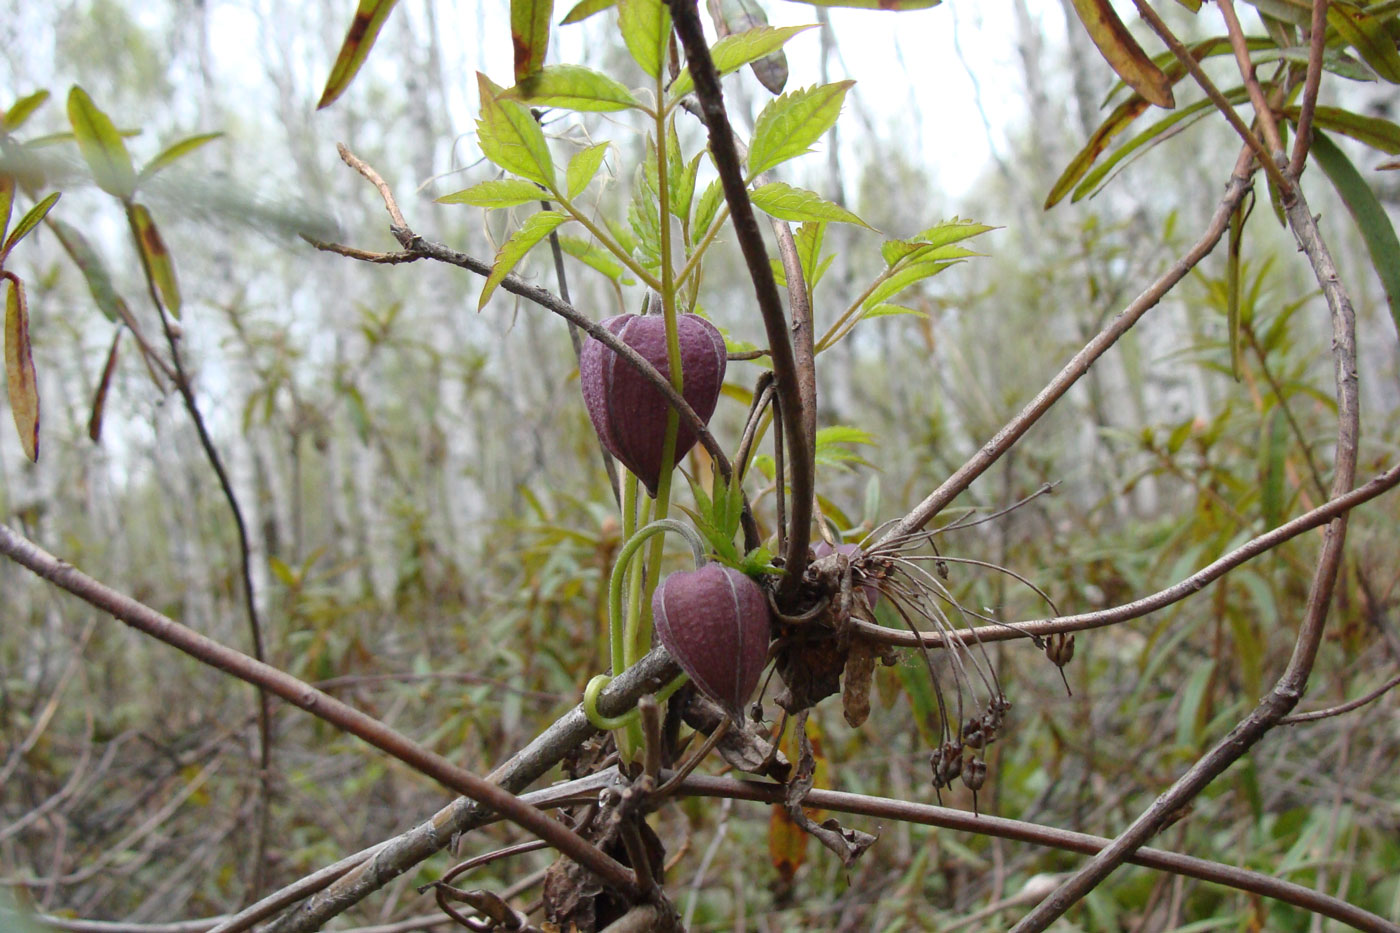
<point x="1289" y="689"/>
<point x="322" y="705"/>
<point x="1343" y="708"/>
<point x="686" y="17"/>
<point x="1263" y="113"/>
<point x="1317" y="43"/>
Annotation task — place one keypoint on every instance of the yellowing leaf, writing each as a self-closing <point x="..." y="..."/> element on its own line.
<point x="536" y="228"/>
<point x="359" y="38"/>
<point x="19" y="368"/>
<point x="155" y="256"/>
<point x="529" y="34"/>
<point x="21" y="110"/>
<point x="1122" y="52"/>
<point x="1368" y="36"/>
<point x="101" y="146"/>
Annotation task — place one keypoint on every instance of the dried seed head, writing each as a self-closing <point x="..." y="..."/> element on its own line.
<point x="627" y="411"/>
<point x="853" y="553"/>
<point x="715" y="622"/>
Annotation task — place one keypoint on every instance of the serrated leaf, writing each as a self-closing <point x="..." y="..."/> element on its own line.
<point x="808" y="240"/>
<point x="595" y="257"/>
<point x="175" y="151"/>
<point x="734" y="52"/>
<point x="1373" y="131"/>
<point x="901" y="280"/>
<point x="789" y="125"/>
<point x="582" y="167"/>
<point x="1368" y="36"/>
<point x="21" y="110"/>
<point x="94" y="270"/>
<point x="529" y="35"/>
<point x="573" y="87"/>
<point x="646" y="28"/>
<point x="370" y="16"/>
<point x="585" y="9"/>
<point x="19" y="369"/>
<point x="681" y="185"/>
<point x="155" y="256"/>
<point x="31" y="219"/>
<point x="509" y="136"/>
<point x="1370" y="216"/>
<point x="536" y="228"/>
<point x="786" y="202"/>
<point x="708" y="207"/>
<point x="496" y="193"/>
<point x="1122" y="52"/>
<point x="101" y="145"/>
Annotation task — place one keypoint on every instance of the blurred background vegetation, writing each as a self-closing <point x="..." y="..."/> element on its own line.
<point x="432" y="529"/>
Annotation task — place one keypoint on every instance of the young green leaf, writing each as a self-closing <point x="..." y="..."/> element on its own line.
<point x="19" y="368"/>
<point x="734" y="52"/>
<point x="21" y="110"/>
<point x="536" y="228"/>
<point x="646" y="28"/>
<point x="94" y="270"/>
<point x="893" y="310"/>
<point x="681" y="183"/>
<point x="529" y="34"/>
<point x="175" y="151"/>
<point x="1122" y="52"/>
<point x="790" y="124"/>
<point x="1370" y="216"/>
<point x="583" y="167"/>
<point x="573" y="87"/>
<point x="496" y="193"/>
<point x="584" y="9"/>
<point x="785" y="202"/>
<point x="952" y="231"/>
<point x="708" y="207"/>
<point x="28" y="222"/>
<point x="101" y="146"/>
<point x="359" y="38"/>
<point x="155" y="256"/>
<point x="7" y="201"/>
<point x="596" y="258"/>
<point x="510" y="137"/>
<point x="836" y="445"/>
<point x="901" y="280"/>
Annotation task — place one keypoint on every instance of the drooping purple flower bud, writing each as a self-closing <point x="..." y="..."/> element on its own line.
<point x="714" y="621"/>
<point x="853" y="552"/>
<point x="628" y="412"/>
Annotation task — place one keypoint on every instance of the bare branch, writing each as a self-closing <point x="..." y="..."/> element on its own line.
<point x="1317" y="43"/>
<point x="1343" y="708"/>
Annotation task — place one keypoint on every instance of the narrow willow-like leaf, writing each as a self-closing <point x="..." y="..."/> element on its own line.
<point x="19" y="369"/>
<point x="1334" y="60"/>
<point x="892" y="6"/>
<point x="596" y="258"/>
<point x="536" y="228"/>
<point x="708" y="206"/>
<point x="1200" y="51"/>
<point x="1373" y="131"/>
<point x="583" y="167"/>
<point x="1368" y="36"/>
<point x="101" y="145"/>
<point x="785" y="202"/>
<point x="94" y="270"/>
<point x="510" y="137"/>
<point x="790" y="124"/>
<point x="1273" y="447"/>
<point x="1232" y="280"/>
<point x="7" y="201"/>
<point x="32" y="218"/>
<point x="359" y="38"/>
<point x="99" y="398"/>
<point x="892" y="310"/>
<point x="1122" y="52"/>
<point x="1371" y="218"/>
<point x="646" y="28"/>
<point x="903" y="279"/>
<point x="529" y="34"/>
<point x="732" y="17"/>
<point x="584" y="9"/>
<point x="1159" y="131"/>
<point x="734" y="52"/>
<point x="156" y="256"/>
<point x="22" y="110"/>
<point x="175" y="151"/>
<point x="500" y="192"/>
<point x="573" y="87"/>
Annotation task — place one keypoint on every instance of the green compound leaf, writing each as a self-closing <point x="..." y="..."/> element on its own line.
<point x="1370" y="216"/>
<point x="785" y="202"/>
<point x="790" y="124"/>
<point x="902" y="279"/>
<point x="510" y="137"/>
<point x="359" y="39"/>
<point x="497" y="193"/>
<point x="708" y="207"/>
<point x="583" y="167"/>
<point x="101" y="146"/>
<point x="573" y="87"/>
<point x="734" y="52"/>
<point x="521" y="242"/>
<point x="646" y="28"/>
